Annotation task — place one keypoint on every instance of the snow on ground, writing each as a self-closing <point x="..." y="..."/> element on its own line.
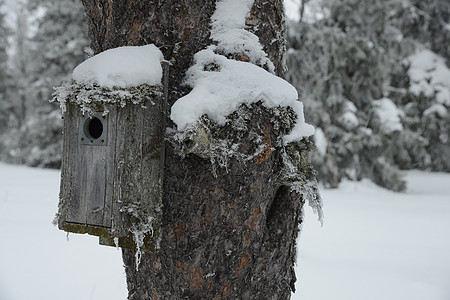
<point x="375" y="244"/>
<point x="380" y="245"/>
<point x="36" y="260"/>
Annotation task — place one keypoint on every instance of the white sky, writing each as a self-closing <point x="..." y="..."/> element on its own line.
<point x="292" y="8"/>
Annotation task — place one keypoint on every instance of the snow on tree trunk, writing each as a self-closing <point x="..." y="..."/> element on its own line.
<point x="234" y="192"/>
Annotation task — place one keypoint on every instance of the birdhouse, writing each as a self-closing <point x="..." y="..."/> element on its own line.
<point x="113" y="162"/>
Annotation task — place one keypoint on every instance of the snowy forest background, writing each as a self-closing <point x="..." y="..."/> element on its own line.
<point x="374" y="78"/>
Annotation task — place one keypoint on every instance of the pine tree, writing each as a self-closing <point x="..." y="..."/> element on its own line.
<point x="58" y="46"/>
<point x="353" y="68"/>
<point x="229" y="225"/>
<point x="341" y="66"/>
<point x="428" y="23"/>
<point x="5" y="106"/>
<point x="426" y="100"/>
<point x="43" y="60"/>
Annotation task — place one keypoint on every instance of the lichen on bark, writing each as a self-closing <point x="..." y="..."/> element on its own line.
<point x="220" y="144"/>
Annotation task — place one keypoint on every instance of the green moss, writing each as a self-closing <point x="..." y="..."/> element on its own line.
<point x="127" y="242"/>
<point x="105" y="237"/>
<point x="83" y="229"/>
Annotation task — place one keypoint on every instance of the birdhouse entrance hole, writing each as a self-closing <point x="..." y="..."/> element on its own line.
<point x="93" y="129"/>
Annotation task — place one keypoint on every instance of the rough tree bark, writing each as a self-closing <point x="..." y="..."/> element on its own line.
<point x="228" y="233"/>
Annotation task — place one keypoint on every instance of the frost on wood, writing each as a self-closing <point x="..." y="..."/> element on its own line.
<point x="92" y="97"/>
<point x="113" y="189"/>
<point x="300" y="177"/>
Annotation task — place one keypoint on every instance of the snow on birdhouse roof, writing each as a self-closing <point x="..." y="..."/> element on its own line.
<point x="122" y="67"/>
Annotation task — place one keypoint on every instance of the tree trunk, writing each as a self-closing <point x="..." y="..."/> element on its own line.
<point x="228" y="232"/>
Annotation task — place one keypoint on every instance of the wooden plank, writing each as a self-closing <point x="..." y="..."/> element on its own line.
<point x="128" y="176"/>
<point x="108" y="188"/>
<point x="139" y="165"/>
<point x="70" y="137"/>
<point x="110" y="166"/>
<point x="153" y="160"/>
<point x="77" y="208"/>
<point x="95" y="183"/>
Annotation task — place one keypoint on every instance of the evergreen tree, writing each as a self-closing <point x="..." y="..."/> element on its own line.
<point x="59" y="45"/>
<point x="21" y="72"/>
<point x="5" y="106"/>
<point x="341" y="65"/>
<point x="425" y="104"/>
<point x="42" y="61"/>
<point x="354" y="71"/>
<point x="428" y="22"/>
<point x="426" y="100"/>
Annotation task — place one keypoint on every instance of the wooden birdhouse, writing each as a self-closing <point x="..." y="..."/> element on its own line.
<point x="113" y="162"/>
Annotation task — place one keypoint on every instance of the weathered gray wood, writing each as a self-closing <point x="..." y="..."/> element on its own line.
<point x="153" y="129"/>
<point x="129" y="171"/>
<point x="77" y="206"/>
<point x="68" y="162"/>
<point x="95" y="184"/>
<point x="111" y="158"/>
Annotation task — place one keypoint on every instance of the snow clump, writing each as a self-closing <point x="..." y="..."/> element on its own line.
<point x="389" y="115"/>
<point x="221" y="85"/>
<point x="228" y="30"/>
<point x="429" y="74"/>
<point x="220" y="93"/>
<point x="122" y="67"/>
